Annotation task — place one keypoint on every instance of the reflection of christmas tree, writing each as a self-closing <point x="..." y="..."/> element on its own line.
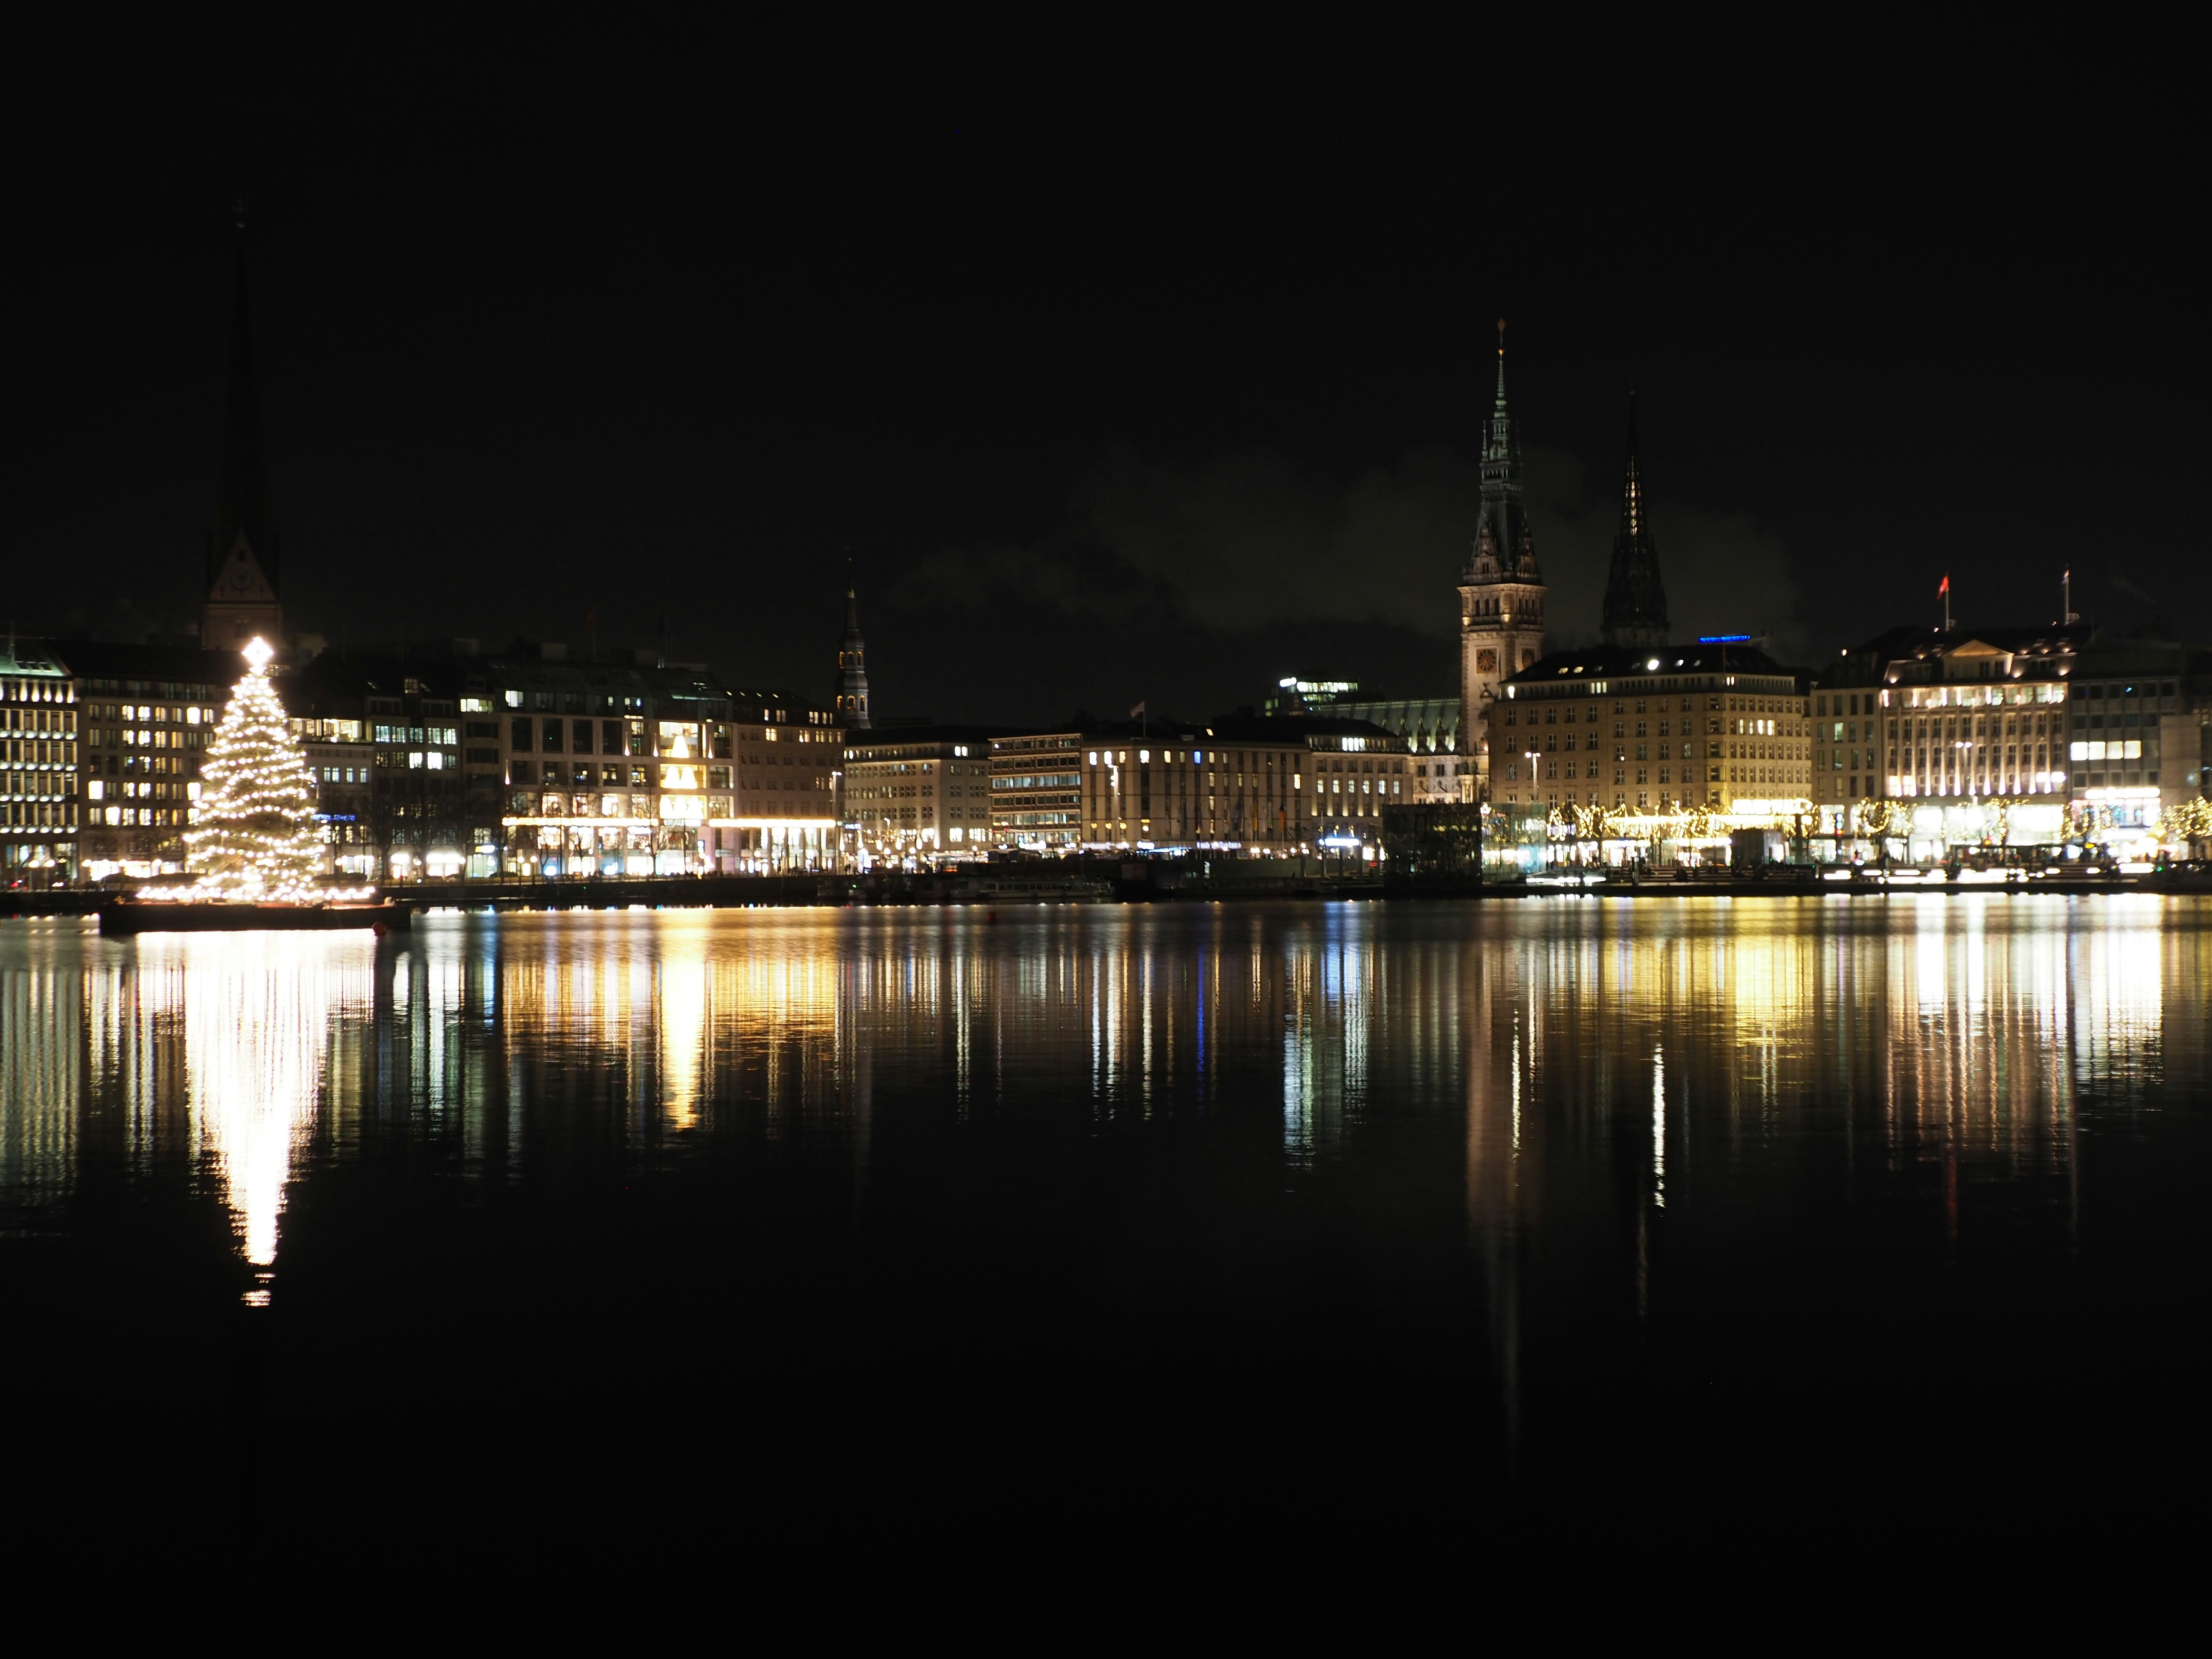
<point x="253" y="834"/>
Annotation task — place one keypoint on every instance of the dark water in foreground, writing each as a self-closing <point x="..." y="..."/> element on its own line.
<point x="915" y="1225"/>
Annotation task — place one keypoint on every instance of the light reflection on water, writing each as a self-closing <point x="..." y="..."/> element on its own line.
<point x="1722" y="1044"/>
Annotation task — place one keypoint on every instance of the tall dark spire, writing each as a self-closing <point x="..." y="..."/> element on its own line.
<point x="1635" y="599"/>
<point x="1503" y="548"/>
<point x="852" y="663"/>
<point x="242" y="508"/>
<point x="244" y="569"/>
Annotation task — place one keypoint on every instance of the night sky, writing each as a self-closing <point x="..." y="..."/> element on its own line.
<point x="1120" y="369"/>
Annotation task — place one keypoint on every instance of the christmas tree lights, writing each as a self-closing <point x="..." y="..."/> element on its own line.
<point x="254" y="838"/>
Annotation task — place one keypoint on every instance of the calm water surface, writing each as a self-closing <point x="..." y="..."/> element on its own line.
<point x="1228" y="1214"/>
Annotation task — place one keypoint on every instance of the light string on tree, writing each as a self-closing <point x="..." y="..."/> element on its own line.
<point x="253" y="837"/>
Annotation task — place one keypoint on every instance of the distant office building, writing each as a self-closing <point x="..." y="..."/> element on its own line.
<point x="2140" y="733"/>
<point x="1037" y="789"/>
<point x="918" y="792"/>
<point x="1430" y="727"/>
<point x="38" y="740"/>
<point x="443" y="761"/>
<point x="1721" y="728"/>
<point x="1249" y="785"/>
<point x="1501" y="590"/>
<point x="147" y="715"/>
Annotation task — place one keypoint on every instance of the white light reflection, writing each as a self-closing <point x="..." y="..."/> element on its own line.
<point x="682" y="1024"/>
<point x="1659" y="1127"/>
<point x="258" y="1010"/>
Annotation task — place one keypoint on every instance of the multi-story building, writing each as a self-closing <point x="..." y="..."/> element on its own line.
<point x="650" y="768"/>
<point x="526" y="763"/>
<point x="1723" y="728"/>
<point x="1037" y="789"/>
<point x="1441" y="772"/>
<point x="38" y="747"/>
<point x="1959" y="722"/>
<point x="918" y="792"/>
<point x="789" y="773"/>
<point x="148" y="712"/>
<point x="1501" y="593"/>
<point x="1264" y="787"/>
<point x="2139" y="734"/>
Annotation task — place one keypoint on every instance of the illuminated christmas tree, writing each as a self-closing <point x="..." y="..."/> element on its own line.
<point x="253" y="834"/>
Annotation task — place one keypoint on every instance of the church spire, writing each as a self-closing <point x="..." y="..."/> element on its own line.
<point x="1503" y="548"/>
<point x="243" y="569"/>
<point x="1635" y="599"/>
<point x="852" y="663"/>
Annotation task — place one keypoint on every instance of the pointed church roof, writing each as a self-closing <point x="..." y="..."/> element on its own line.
<point x="1503" y="548"/>
<point x="1635" y="599"/>
<point x="242" y="507"/>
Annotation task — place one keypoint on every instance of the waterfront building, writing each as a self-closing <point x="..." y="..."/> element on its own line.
<point x="1037" y="788"/>
<point x="1501" y="612"/>
<point x="649" y="767"/>
<point x="917" y="790"/>
<point x="381" y="733"/>
<point x="38" y="743"/>
<point x="147" y="713"/>
<point x="851" y="703"/>
<point x="1635" y="598"/>
<point x="1245" y="785"/>
<point x="1961" y="724"/>
<point x="2139" y="734"/>
<point x="1441" y="772"/>
<point x="440" y="760"/>
<point x="1430" y="728"/>
<point x="1655" y="733"/>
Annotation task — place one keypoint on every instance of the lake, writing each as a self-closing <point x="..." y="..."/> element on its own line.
<point x="902" y="1223"/>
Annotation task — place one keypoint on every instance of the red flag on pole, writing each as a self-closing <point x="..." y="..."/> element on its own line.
<point x="1946" y="587"/>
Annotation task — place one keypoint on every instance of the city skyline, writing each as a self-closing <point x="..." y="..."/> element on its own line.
<point x="577" y="368"/>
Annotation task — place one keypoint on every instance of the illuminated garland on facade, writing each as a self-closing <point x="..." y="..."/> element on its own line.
<point x="253" y="836"/>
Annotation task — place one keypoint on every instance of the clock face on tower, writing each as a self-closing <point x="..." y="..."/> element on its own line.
<point x="241" y="577"/>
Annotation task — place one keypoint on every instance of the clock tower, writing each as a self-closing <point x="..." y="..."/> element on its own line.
<point x="243" y="597"/>
<point x="1501" y="593"/>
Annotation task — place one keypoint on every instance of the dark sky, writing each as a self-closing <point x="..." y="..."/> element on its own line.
<point x="1120" y="367"/>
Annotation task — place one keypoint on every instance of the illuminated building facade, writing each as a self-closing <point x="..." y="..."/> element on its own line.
<point x="1037" y="789"/>
<point x="1255" y="787"/>
<point x="38" y="747"/>
<point x="1501" y="610"/>
<point x="653" y="767"/>
<point x="1720" y="727"/>
<point x="1972" y="718"/>
<point x="918" y="792"/>
<point x="1441" y="773"/>
<point x="143" y="718"/>
<point x="2139" y="733"/>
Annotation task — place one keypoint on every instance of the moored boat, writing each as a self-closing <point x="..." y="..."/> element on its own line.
<point x="127" y="916"/>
